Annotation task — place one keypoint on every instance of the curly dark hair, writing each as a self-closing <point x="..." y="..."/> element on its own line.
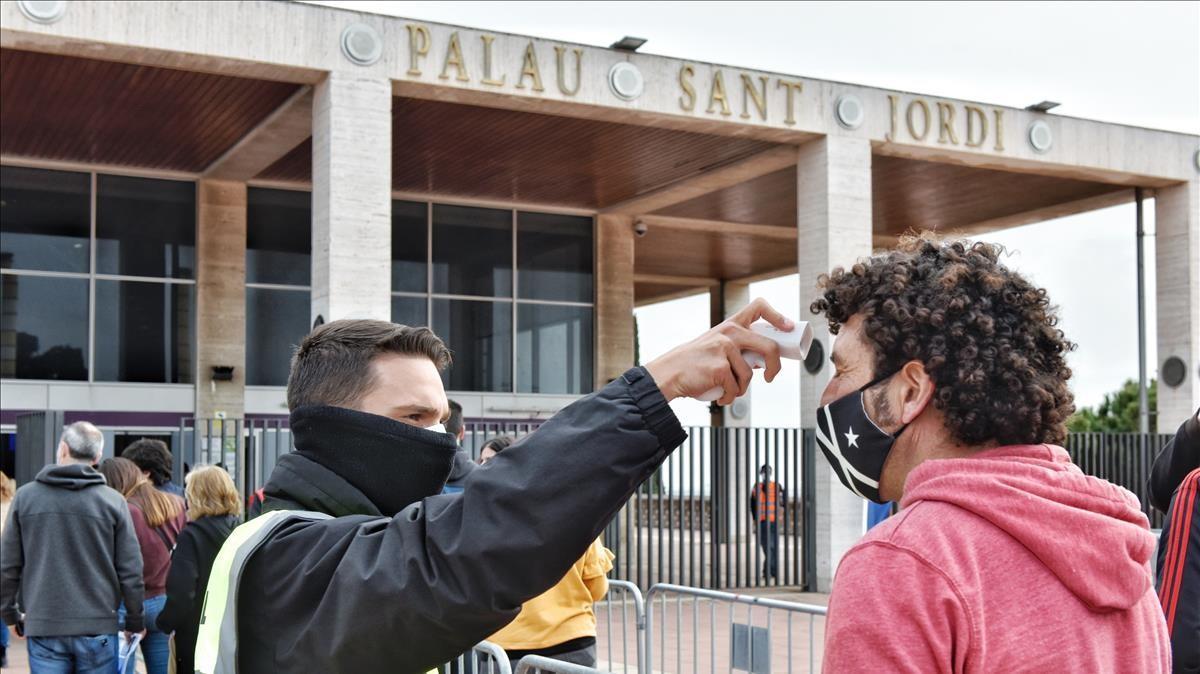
<point x="151" y="455"/>
<point x="986" y="335"/>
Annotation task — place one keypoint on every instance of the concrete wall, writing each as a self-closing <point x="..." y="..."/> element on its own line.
<point x="834" y="218"/>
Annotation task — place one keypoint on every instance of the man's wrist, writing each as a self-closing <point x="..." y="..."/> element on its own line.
<point x="662" y="379"/>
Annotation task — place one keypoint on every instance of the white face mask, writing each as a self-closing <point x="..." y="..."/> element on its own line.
<point x="436" y="428"/>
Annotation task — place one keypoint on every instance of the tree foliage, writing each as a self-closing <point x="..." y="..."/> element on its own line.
<point x="1118" y="413"/>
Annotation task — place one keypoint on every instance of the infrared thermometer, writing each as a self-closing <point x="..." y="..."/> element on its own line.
<point x="792" y="345"/>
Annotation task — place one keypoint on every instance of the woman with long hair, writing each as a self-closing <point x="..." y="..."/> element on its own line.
<point x="213" y="510"/>
<point x="158" y="518"/>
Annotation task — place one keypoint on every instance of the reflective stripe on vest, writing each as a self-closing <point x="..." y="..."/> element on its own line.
<point x="216" y="642"/>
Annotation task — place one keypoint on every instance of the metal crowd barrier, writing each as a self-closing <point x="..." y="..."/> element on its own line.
<point x="755" y="642"/>
<point x="485" y="658"/>
<point x="620" y="619"/>
<point x="536" y="664"/>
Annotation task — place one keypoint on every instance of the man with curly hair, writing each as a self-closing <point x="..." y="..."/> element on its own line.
<point x="950" y="396"/>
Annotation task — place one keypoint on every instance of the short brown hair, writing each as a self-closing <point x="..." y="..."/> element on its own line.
<point x="332" y="366"/>
<point x="210" y="491"/>
<point x="986" y="335"/>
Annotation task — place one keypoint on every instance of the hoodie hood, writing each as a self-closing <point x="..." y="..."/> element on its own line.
<point x="1090" y="533"/>
<point x="74" y="476"/>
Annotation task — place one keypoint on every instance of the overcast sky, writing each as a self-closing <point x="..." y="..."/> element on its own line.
<point x="1133" y="63"/>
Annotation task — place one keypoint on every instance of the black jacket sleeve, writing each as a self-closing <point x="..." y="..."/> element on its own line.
<point x="411" y="592"/>
<point x="1180" y="456"/>
<point x="181" y="584"/>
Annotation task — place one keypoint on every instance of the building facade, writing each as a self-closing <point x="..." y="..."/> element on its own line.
<point x="189" y="187"/>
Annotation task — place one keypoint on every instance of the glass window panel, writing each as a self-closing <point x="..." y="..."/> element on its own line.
<point x="479" y="335"/>
<point x="409" y="311"/>
<point x="554" y="349"/>
<point x="276" y="321"/>
<point x="410" y="233"/>
<point x="554" y="257"/>
<point x="43" y="328"/>
<point x="144" y="331"/>
<point x="278" y="237"/>
<point x="145" y="227"/>
<point x="45" y="220"/>
<point x="472" y="251"/>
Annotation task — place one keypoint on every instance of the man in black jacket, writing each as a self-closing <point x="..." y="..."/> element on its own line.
<point x="404" y="578"/>
<point x="1175" y="490"/>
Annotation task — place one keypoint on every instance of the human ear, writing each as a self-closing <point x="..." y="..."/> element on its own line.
<point x="915" y="392"/>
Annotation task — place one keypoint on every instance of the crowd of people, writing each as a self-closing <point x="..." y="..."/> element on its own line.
<point x="381" y="547"/>
<point x="96" y="551"/>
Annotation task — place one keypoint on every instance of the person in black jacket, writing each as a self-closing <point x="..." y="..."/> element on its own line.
<point x="404" y="578"/>
<point x="1175" y="490"/>
<point x="213" y="509"/>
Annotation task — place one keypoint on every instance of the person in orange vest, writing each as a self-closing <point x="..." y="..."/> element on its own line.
<point x="765" y="499"/>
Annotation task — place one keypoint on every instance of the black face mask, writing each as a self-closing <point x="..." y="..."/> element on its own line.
<point x="853" y="444"/>
<point x="391" y="463"/>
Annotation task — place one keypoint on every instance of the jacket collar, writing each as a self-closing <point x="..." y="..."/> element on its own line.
<point x="299" y="483"/>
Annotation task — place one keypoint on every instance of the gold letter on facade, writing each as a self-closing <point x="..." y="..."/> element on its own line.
<point x="976" y="124"/>
<point x="999" y="130"/>
<point x="718" y="94"/>
<point x="792" y="88"/>
<point x="894" y="103"/>
<point x="759" y="97"/>
<point x="454" y="58"/>
<point x="418" y="46"/>
<point x="487" y="62"/>
<point x="946" y="123"/>
<point x="529" y="68"/>
<point x="908" y="117"/>
<point x="687" y="102"/>
<point x="560" y="54"/>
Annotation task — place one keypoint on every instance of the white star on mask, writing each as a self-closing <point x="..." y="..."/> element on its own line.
<point x="851" y="438"/>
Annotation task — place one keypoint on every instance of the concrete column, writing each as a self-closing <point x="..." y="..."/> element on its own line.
<point x="220" y="296"/>
<point x="834" y="218"/>
<point x="352" y="201"/>
<point x="1177" y="246"/>
<point x="614" y="297"/>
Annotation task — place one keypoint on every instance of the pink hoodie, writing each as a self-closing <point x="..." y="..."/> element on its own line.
<point x="1011" y="560"/>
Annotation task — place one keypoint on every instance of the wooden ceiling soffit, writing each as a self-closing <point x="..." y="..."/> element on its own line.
<point x="714" y="179"/>
<point x="277" y="135"/>
<point x="720" y="227"/>
<point x="126" y="115"/>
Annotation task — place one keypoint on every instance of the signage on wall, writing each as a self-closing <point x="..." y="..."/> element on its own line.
<point x="705" y="91"/>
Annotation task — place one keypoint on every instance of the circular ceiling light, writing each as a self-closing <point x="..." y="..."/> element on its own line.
<point x="1040" y="136"/>
<point x="361" y="44"/>
<point x="1174" y="371"/>
<point x="849" y="111"/>
<point x="1197" y="160"/>
<point x="43" y="11"/>
<point x="815" y="359"/>
<point x="626" y="81"/>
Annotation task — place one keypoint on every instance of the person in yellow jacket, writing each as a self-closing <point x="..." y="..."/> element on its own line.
<point x="560" y="623"/>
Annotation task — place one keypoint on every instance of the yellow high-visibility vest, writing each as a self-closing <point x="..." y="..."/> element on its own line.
<point x="216" y="642"/>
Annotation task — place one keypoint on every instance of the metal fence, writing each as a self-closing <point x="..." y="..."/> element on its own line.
<point x="691" y="522"/>
<point x="711" y="631"/>
<point x="1121" y="458"/>
<point x="620" y="621"/>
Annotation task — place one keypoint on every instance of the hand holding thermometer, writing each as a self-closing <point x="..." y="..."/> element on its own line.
<point x="793" y="345"/>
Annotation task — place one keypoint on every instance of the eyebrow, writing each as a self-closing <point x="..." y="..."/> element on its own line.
<point x="416" y="409"/>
